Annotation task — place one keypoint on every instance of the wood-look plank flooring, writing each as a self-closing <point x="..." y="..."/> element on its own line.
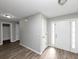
<point x="15" y="51"/>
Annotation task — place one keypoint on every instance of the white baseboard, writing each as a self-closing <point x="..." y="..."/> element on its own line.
<point x="1" y="43"/>
<point x="30" y="49"/>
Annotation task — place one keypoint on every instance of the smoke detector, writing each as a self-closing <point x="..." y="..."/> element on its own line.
<point x="62" y="2"/>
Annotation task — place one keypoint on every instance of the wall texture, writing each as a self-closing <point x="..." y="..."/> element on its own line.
<point x="30" y="32"/>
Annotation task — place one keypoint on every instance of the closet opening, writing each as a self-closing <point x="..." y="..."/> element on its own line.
<point x="6" y="32"/>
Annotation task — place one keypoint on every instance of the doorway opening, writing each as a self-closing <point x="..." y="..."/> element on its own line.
<point x="6" y="32"/>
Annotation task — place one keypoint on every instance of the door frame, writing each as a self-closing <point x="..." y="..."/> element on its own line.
<point x="55" y="34"/>
<point x="17" y="30"/>
<point x="11" y="36"/>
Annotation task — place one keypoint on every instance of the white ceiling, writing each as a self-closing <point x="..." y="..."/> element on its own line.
<point x="50" y="8"/>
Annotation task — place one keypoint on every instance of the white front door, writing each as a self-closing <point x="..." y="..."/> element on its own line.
<point x="62" y="35"/>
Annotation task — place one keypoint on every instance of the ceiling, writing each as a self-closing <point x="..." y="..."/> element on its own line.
<point x="50" y="8"/>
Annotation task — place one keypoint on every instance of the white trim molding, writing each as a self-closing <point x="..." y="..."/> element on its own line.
<point x="30" y="49"/>
<point x="1" y="43"/>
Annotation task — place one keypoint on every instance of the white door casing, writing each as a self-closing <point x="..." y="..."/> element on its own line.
<point x="17" y="32"/>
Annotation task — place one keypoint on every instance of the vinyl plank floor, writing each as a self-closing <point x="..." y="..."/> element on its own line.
<point x="15" y="51"/>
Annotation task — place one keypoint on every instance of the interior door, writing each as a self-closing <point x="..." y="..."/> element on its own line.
<point x="62" y="35"/>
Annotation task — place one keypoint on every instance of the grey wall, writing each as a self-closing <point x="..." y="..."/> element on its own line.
<point x="30" y="32"/>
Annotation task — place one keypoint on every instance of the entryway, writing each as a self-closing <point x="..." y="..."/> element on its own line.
<point x="63" y="35"/>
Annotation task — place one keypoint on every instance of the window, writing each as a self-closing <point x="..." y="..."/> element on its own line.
<point x="73" y="34"/>
<point x="53" y="33"/>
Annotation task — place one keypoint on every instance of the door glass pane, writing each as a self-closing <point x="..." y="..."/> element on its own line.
<point x="73" y="34"/>
<point x="53" y="33"/>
